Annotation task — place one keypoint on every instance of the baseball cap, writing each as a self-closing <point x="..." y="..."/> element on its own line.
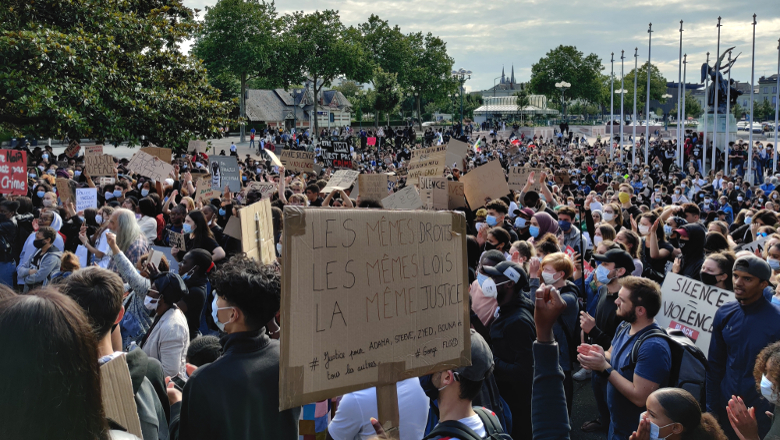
<point x="525" y="211"/>
<point x="754" y="266"/>
<point x="620" y="257"/>
<point x="509" y="269"/>
<point x="481" y="359"/>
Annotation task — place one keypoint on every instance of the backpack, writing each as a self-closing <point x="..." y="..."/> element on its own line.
<point x="689" y="364"/>
<point x="454" y="428"/>
<point x="572" y="334"/>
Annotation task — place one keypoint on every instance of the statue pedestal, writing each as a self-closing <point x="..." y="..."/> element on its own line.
<point x="723" y="138"/>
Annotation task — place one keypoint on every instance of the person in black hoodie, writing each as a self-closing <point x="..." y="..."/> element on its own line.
<point x="194" y="269"/>
<point x="245" y="380"/>
<point x="692" y="247"/>
<point x="7" y="236"/>
<point x="99" y="292"/>
<point x="512" y="335"/>
<point x="23" y="219"/>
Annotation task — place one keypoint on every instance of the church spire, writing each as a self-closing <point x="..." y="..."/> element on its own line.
<point x="513" y="74"/>
<point x="503" y="81"/>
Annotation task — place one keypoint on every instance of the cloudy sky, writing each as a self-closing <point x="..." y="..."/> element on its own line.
<point x="484" y="35"/>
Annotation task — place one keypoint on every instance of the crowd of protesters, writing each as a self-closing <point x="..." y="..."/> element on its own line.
<point x="565" y="277"/>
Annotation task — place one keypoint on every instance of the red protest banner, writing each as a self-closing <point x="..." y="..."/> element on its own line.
<point x="13" y="172"/>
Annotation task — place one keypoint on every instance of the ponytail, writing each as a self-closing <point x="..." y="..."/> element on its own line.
<point x="708" y="429"/>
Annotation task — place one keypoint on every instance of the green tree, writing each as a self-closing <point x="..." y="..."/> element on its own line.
<point x="106" y="70"/>
<point x="522" y="98"/>
<point x="322" y="48"/>
<point x="692" y="106"/>
<point x="657" y="88"/>
<point x="387" y="47"/>
<point x="430" y="68"/>
<point x="388" y="94"/>
<point x="348" y="88"/>
<point x="566" y="63"/>
<point x="239" y="38"/>
<point x="738" y="111"/>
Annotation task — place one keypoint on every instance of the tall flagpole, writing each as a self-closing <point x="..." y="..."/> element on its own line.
<point x="750" y="126"/>
<point x="728" y="120"/>
<point x="633" y="119"/>
<point x="777" y="110"/>
<point x="647" y="103"/>
<point x="704" y="138"/>
<point x="715" y="122"/>
<point x="622" y="93"/>
<point x="679" y="102"/>
<point x="612" y="110"/>
<point x="682" y="106"/>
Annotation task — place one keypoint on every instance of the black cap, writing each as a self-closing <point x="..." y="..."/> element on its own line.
<point x="620" y="257"/>
<point x="508" y="269"/>
<point x="481" y="359"/>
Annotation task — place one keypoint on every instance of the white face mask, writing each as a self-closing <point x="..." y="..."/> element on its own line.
<point x="655" y="429"/>
<point x="150" y="303"/>
<point x="643" y="230"/>
<point x="549" y="278"/>
<point x="768" y="390"/>
<point x="490" y="288"/>
<point x="608" y="216"/>
<point x="214" y="310"/>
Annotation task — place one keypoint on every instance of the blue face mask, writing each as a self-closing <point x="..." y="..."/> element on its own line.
<point x="481" y="278"/>
<point x="117" y="193"/>
<point x="222" y="212"/>
<point x="243" y="178"/>
<point x="748" y="220"/>
<point x="776" y="300"/>
<point x="667" y="230"/>
<point x="40" y="194"/>
<point x="491" y="220"/>
<point x="534" y="231"/>
<point x="186" y="228"/>
<point x="144" y="192"/>
<point x="519" y="222"/>
<point x="602" y="275"/>
<point x="565" y="226"/>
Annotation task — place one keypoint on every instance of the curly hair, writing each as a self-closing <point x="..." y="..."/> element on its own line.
<point x="250" y="286"/>
<point x="768" y="363"/>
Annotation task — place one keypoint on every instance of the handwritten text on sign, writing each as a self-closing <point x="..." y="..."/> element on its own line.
<point x="370" y="297"/>
<point x="13" y="172"/>
<point x="690" y="306"/>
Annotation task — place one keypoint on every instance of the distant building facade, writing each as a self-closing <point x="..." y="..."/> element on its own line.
<point x="295" y="108"/>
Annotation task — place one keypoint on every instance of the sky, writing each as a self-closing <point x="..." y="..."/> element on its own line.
<point x="485" y="35"/>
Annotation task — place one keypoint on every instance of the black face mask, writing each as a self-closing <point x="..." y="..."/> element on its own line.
<point x="489" y="246"/>
<point x="709" y="279"/>
<point x="430" y="390"/>
<point x="39" y="243"/>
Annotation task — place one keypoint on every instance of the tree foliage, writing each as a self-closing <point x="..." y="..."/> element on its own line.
<point x="692" y="106"/>
<point x="657" y="87"/>
<point x="104" y="69"/>
<point x="388" y="95"/>
<point x="566" y="63"/>
<point x="522" y="98"/>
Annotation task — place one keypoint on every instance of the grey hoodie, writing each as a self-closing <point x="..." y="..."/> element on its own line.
<point x="49" y="264"/>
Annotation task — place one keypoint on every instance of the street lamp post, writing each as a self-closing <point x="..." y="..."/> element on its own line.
<point x="647" y="116"/>
<point x="612" y="107"/>
<point x="622" y="93"/>
<point x="461" y="75"/>
<point x="633" y="118"/>
<point x="563" y="86"/>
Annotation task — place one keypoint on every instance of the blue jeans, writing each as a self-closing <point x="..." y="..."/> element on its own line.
<point x="7" y="271"/>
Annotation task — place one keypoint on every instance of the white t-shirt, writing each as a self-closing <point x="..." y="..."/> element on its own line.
<point x="101" y="244"/>
<point x="476" y="425"/>
<point x="353" y="417"/>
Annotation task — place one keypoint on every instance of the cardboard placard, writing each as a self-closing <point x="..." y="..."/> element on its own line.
<point x="456" y="195"/>
<point x="434" y="193"/>
<point x="166" y="251"/>
<point x="601" y="159"/>
<point x="407" y="198"/>
<point x="562" y="178"/>
<point x="13" y="172"/>
<point x="63" y="191"/>
<point x="298" y="161"/>
<point x="690" y="306"/>
<point x="233" y="227"/>
<point x="93" y="150"/>
<point x="177" y="240"/>
<point x="373" y="186"/>
<point x="486" y="181"/>
<point x="336" y="154"/>
<point x="200" y="146"/>
<point x="371" y="141"/>
<point x="341" y="179"/>
<point x="267" y="189"/>
<point x="73" y="149"/>
<point x="99" y="165"/>
<point x="155" y="257"/>
<point x="103" y="181"/>
<point x="426" y="162"/>
<point x="257" y="232"/>
<point x="357" y="312"/>
<point x="518" y="177"/>
<point x="274" y="160"/>
<point x="202" y="186"/>
<point x="116" y="388"/>
<point x="224" y="171"/>
<point x="457" y="151"/>
<point x="164" y="154"/>
<point x="754" y="245"/>
<point x="150" y="166"/>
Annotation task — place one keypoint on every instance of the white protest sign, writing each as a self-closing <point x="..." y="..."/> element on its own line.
<point x="407" y="198"/>
<point x="754" y="245"/>
<point x="86" y="198"/>
<point x="341" y="179"/>
<point x="689" y="305"/>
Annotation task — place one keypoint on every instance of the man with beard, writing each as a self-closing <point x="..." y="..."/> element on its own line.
<point x="638" y="301"/>
<point x="740" y="330"/>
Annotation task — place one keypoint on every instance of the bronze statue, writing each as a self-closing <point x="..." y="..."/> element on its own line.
<point x="715" y="72"/>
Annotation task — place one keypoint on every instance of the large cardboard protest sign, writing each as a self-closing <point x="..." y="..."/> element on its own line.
<point x="298" y="161"/>
<point x="257" y="232"/>
<point x="13" y="172"/>
<point x="96" y="163"/>
<point x="73" y="149"/>
<point x="690" y="306"/>
<point x="369" y="298"/>
<point x="116" y="388"/>
<point x="224" y="171"/>
<point x="164" y="154"/>
<point x="341" y="179"/>
<point x="86" y="198"/>
<point x="372" y="186"/>
<point x="427" y="162"/>
<point x="336" y="154"/>
<point x="407" y="198"/>
<point x="150" y="166"/>
<point x="434" y="193"/>
<point x="754" y="245"/>
<point x="518" y="177"/>
<point x="199" y="146"/>
<point x="456" y="196"/>
<point x="456" y="152"/>
<point x="485" y="182"/>
<point x="266" y="189"/>
<point x="63" y="191"/>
